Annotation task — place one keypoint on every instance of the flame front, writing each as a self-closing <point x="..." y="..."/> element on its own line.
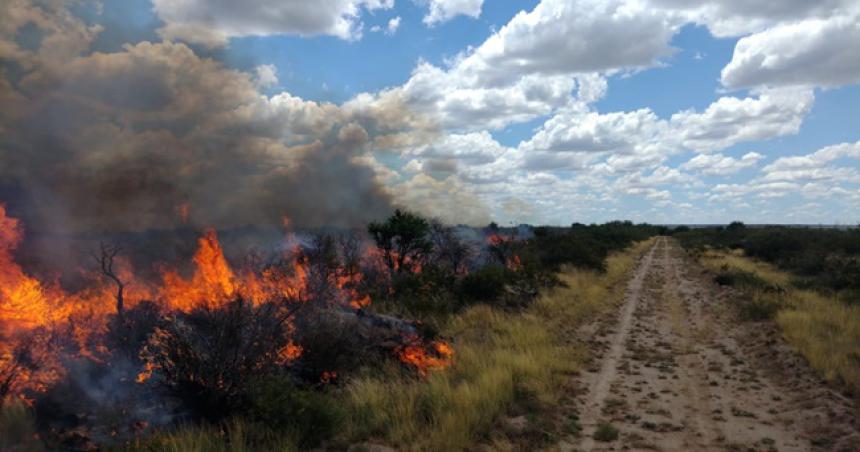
<point x="32" y="310"/>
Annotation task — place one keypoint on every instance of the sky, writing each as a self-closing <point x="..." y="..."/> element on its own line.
<point x="550" y="111"/>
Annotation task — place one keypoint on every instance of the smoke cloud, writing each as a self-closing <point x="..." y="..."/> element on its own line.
<point x="132" y="140"/>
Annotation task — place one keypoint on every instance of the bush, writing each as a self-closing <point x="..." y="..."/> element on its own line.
<point x="741" y="279"/>
<point x="331" y="347"/>
<point x="208" y="358"/>
<point x="308" y="417"/>
<point x="761" y="306"/>
<point x="485" y="284"/>
<point x="606" y="432"/>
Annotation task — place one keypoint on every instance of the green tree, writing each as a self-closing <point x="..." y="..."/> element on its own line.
<point x="404" y="239"/>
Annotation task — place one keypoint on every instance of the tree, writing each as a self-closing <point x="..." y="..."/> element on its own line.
<point x="736" y="226"/>
<point x="106" y="263"/>
<point x="449" y="249"/>
<point x="403" y="239"/>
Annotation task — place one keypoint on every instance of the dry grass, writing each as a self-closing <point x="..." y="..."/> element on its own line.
<point x="503" y="360"/>
<point x="18" y="428"/>
<point x="233" y="436"/>
<point x="825" y="330"/>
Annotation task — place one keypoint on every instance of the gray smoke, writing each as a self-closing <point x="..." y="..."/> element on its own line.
<point x="116" y="141"/>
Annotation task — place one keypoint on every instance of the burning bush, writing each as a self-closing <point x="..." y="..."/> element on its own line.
<point x="404" y="241"/>
<point x="208" y="357"/>
<point x="28" y="363"/>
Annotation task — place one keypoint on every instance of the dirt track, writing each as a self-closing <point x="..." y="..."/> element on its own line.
<point x="673" y="370"/>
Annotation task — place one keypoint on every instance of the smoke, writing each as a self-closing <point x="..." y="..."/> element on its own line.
<point x="125" y="141"/>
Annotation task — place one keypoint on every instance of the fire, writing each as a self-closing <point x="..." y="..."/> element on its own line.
<point x="348" y="284"/>
<point x="378" y="256"/>
<point x="289" y="353"/>
<point x="213" y="280"/>
<point x="33" y="312"/>
<point x="328" y="376"/>
<point x="424" y="359"/>
<point x="24" y="301"/>
<point x="503" y="248"/>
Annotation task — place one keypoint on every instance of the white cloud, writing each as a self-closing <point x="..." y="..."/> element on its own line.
<point x="266" y="76"/>
<point x="577" y="130"/>
<point x="214" y="22"/>
<point x="731" y="120"/>
<point x="575" y="137"/>
<point x="458" y="104"/>
<point x="816" y="52"/>
<point x="727" y="18"/>
<point x="393" y="26"/>
<point x="445" y="10"/>
<point x="816" y="166"/>
<point x="573" y="36"/>
<point x="471" y="148"/>
<point x="721" y="165"/>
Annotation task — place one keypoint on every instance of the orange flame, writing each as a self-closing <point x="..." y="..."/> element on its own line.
<point x="424" y="359"/>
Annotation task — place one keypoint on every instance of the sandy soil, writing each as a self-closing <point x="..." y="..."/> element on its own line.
<point x="674" y="370"/>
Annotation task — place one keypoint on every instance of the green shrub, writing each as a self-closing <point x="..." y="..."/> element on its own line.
<point x="485" y="284"/>
<point x="606" y="432"/>
<point x="741" y="279"/>
<point x="307" y="416"/>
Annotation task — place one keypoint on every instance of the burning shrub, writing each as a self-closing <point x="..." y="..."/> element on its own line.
<point x="209" y="357"/>
<point x="404" y="241"/>
<point x="28" y="362"/>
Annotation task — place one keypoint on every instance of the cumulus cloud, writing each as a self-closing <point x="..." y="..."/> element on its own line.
<point x="476" y="147"/>
<point x="727" y="18"/>
<point x="578" y="130"/>
<point x="731" y="120"/>
<point x="445" y="10"/>
<point x="815" y="52"/>
<point x="818" y="165"/>
<point x="266" y="75"/>
<point x="214" y="22"/>
<point x="721" y="165"/>
<point x="815" y="175"/>
<point x="576" y="137"/>
<point x="567" y="37"/>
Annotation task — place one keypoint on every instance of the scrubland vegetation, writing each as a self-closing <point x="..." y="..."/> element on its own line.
<point x="806" y="280"/>
<point x="466" y="327"/>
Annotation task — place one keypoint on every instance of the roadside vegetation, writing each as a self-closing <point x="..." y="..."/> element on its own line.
<point x="480" y="321"/>
<point x="806" y="280"/>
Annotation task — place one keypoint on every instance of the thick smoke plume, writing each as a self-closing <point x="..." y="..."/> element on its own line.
<point x="153" y="135"/>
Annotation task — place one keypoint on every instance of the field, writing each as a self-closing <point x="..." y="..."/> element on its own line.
<point x="418" y="336"/>
<point x="422" y="337"/>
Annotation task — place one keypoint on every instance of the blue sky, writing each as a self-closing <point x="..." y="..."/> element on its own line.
<point x="549" y="111"/>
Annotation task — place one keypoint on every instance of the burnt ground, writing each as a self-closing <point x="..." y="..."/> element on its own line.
<point x="674" y="370"/>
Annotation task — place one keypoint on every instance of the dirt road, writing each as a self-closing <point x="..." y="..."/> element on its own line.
<point x="674" y="370"/>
